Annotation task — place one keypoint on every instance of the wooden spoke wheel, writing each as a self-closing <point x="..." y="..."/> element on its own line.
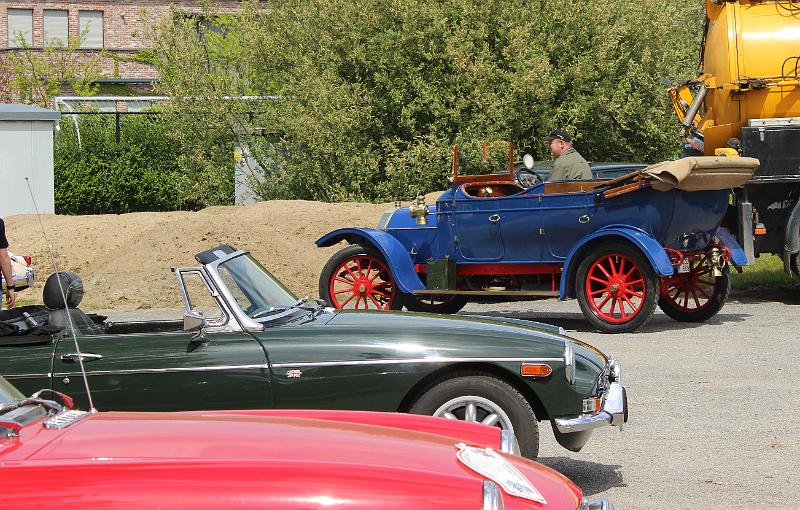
<point x="695" y="296"/>
<point x="616" y="287"/>
<point x="357" y="277"/>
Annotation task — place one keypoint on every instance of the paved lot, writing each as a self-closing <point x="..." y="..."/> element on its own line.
<point x="714" y="408"/>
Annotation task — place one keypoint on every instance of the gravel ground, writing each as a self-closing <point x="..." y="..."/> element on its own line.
<point x="713" y="407"/>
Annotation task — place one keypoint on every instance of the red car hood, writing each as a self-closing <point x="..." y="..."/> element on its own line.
<point x="204" y="460"/>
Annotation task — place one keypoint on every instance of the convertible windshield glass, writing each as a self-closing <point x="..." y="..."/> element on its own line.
<point x="8" y="393"/>
<point x="255" y="290"/>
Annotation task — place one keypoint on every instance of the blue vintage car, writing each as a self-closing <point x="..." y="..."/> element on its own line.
<point x="620" y="246"/>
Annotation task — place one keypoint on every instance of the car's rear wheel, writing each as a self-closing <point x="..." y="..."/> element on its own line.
<point x="358" y="277"/>
<point x="695" y="296"/>
<point x="435" y="304"/>
<point x="483" y="399"/>
<point x="616" y="288"/>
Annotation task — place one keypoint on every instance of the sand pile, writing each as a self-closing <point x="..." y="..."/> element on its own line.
<point x="125" y="260"/>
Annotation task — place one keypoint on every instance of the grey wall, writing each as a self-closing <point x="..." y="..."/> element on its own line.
<point x="26" y="150"/>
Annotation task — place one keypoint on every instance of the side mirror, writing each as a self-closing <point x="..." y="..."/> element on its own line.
<point x="193" y="321"/>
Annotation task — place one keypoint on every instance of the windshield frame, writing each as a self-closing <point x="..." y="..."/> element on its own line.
<point x="248" y="323"/>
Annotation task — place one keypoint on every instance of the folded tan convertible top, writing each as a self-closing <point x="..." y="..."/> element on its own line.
<point x="700" y="173"/>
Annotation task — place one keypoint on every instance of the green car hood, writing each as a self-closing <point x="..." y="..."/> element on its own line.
<point x="454" y="336"/>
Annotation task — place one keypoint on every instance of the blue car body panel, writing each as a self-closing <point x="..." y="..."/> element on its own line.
<point x="738" y="257"/>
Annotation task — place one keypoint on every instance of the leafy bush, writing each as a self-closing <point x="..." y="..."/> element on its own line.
<point x="146" y="171"/>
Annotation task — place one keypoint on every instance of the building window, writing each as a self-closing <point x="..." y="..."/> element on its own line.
<point x="20" y="23"/>
<point x="91" y="24"/>
<point x="56" y="29"/>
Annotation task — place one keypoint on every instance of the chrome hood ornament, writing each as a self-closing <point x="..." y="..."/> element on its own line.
<point x="492" y="465"/>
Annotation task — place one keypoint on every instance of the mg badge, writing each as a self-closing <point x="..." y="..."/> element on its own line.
<point x="294" y="374"/>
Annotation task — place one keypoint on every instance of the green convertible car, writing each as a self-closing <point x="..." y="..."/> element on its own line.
<point x="246" y="342"/>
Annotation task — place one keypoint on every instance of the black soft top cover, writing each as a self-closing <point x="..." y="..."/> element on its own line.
<point x="212" y="255"/>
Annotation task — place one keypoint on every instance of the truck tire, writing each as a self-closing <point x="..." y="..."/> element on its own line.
<point x="358" y="277"/>
<point x="616" y="288"/>
<point x="483" y="399"/>
<point x="695" y="296"/>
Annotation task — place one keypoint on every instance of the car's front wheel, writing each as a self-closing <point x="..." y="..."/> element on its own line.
<point x="483" y="399"/>
<point x="358" y="277"/>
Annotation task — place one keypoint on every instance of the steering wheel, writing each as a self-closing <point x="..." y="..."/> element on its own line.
<point x="526" y="177"/>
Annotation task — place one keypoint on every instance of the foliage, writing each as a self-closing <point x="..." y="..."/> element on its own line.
<point x="37" y="75"/>
<point x="767" y="271"/>
<point x="146" y="171"/>
<point x="372" y="98"/>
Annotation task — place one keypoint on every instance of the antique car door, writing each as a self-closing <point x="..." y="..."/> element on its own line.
<point x="158" y="366"/>
<point x="566" y="218"/>
<point x="476" y="229"/>
<point x="520" y="222"/>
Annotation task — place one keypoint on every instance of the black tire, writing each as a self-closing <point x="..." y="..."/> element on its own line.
<point x="794" y="262"/>
<point x="496" y="395"/>
<point x="333" y="269"/>
<point x="435" y="304"/>
<point x="623" y="253"/>
<point x="709" y="309"/>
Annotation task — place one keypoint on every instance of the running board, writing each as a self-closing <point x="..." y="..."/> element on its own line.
<point x="521" y="293"/>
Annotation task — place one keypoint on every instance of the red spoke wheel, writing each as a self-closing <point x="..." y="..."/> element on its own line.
<point x="695" y="296"/>
<point x="616" y="287"/>
<point x="357" y="277"/>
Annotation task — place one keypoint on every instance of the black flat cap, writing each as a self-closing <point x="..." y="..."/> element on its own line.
<point x="559" y="134"/>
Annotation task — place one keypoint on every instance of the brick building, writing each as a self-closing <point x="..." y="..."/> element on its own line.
<point x="116" y="26"/>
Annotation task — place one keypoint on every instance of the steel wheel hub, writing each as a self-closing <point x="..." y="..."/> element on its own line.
<point x="477" y="410"/>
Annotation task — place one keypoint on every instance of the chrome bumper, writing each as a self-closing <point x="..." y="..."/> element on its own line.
<point x="597" y="504"/>
<point x="614" y="412"/>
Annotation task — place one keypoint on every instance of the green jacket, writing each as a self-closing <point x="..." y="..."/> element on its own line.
<point x="570" y="166"/>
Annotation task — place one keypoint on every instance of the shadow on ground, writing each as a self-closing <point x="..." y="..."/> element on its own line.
<point x="786" y="294"/>
<point x="576" y="321"/>
<point x="592" y="477"/>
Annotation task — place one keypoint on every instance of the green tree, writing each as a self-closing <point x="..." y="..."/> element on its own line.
<point x="373" y="96"/>
<point x="37" y="75"/>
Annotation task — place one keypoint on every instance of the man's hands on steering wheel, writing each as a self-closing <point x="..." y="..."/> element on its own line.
<point x="526" y="177"/>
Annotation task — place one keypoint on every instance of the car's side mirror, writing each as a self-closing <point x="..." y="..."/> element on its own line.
<point x="193" y="321"/>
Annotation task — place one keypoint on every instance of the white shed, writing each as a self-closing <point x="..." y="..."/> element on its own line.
<point x="26" y="150"/>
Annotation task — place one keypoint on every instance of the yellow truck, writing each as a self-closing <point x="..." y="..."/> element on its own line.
<point x="745" y="99"/>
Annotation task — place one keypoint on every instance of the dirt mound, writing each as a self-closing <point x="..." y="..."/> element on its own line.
<point x="125" y="260"/>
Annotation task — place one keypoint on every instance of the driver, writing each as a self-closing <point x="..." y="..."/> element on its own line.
<point x="569" y="164"/>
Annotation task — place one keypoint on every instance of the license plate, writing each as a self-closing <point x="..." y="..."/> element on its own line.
<point x="684" y="267"/>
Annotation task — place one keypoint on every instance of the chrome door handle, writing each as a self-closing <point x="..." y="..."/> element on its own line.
<point x="86" y="357"/>
<point x="584" y="219"/>
<point x="494" y="218"/>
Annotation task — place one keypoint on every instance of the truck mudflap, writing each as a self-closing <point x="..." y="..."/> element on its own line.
<point x="650" y="248"/>
<point x="738" y="256"/>
<point x="393" y="252"/>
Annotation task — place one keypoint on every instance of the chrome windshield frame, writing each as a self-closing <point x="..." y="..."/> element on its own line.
<point x="248" y="324"/>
